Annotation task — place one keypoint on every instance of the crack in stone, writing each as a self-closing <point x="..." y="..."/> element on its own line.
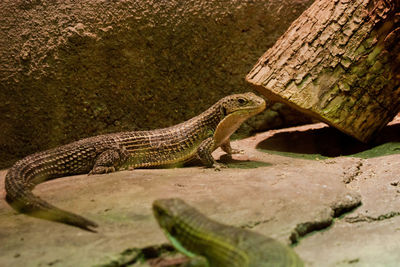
<point x="132" y="256"/>
<point x="364" y="218"/>
<point x="352" y="261"/>
<point x="302" y="229"/>
<point x="252" y="224"/>
<point x="154" y="255"/>
<point x="353" y="172"/>
<point x="344" y="203"/>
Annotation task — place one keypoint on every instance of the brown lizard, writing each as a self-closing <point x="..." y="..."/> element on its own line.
<point x="195" y="138"/>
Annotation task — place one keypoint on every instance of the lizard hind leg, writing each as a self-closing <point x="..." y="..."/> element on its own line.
<point x="109" y="161"/>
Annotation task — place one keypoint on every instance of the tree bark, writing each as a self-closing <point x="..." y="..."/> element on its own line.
<point x="338" y="62"/>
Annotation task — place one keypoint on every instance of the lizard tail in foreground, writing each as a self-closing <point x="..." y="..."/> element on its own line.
<point x="195" y="138"/>
<point x="209" y="243"/>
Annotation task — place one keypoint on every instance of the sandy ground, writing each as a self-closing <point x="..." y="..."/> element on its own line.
<point x="335" y="200"/>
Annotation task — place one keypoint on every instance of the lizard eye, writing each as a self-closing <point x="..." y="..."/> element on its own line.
<point x="242" y="101"/>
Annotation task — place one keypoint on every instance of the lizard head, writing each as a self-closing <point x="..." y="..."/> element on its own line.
<point x="175" y="216"/>
<point x="245" y="105"/>
<point x="235" y="109"/>
<point x="166" y="212"/>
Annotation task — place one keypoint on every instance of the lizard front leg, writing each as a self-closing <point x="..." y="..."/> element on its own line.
<point x="195" y="260"/>
<point x="109" y="160"/>
<point x="204" y="154"/>
<point x="226" y="147"/>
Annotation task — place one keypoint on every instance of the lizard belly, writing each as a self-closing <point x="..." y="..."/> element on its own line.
<point x="168" y="156"/>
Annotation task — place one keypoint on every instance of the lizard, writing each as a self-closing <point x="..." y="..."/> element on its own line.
<point x="195" y="138"/>
<point x="208" y="243"/>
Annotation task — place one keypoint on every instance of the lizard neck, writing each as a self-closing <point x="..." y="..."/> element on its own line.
<point x="208" y="121"/>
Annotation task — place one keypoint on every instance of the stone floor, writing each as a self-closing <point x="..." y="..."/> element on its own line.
<point x="336" y="201"/>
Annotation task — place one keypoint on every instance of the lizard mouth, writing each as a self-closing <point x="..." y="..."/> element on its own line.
<point x="261" y="107"/>
<point x="253" y="110"/>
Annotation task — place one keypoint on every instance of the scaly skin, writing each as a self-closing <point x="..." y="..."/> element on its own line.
<point x="195" y="138"/>
<point x="214" y="244"/>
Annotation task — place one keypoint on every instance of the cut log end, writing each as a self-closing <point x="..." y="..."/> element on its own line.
<point x="338" y="62"/>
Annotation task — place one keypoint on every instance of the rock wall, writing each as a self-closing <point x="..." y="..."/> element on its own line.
<point x="71" y="69"/>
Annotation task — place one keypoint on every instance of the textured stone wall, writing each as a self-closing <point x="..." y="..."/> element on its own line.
<point x="72" y="69"/>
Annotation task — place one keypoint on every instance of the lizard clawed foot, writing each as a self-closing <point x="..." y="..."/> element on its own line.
<point x="128" y="168"/>
<point x="218" y="166"/>
<point x="237" y="151"/>
<point x="101" y="170"/>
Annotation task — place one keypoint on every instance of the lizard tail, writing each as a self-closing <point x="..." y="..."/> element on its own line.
<point x="20" y="197"/>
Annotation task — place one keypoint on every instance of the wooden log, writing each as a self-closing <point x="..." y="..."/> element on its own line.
<point x="338" y="62"/>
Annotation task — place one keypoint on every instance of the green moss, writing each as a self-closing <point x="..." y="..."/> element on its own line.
<point x="334" y="106"/>
<point x="377" y="67"/>
<point x="360" y="50"/>
<point x="385" y="149"/>
<point x="305" y="81"/>
<point x="295" y="155"/>
<point x="372" y="56"/>
<point x="248" y="164"/>
<point x="346" y="62"/>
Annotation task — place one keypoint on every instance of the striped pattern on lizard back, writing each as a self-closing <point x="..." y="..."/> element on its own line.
<point x="197" y="137"/>
<point x="197" y="236"/>
<point x="170" y="145"/>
